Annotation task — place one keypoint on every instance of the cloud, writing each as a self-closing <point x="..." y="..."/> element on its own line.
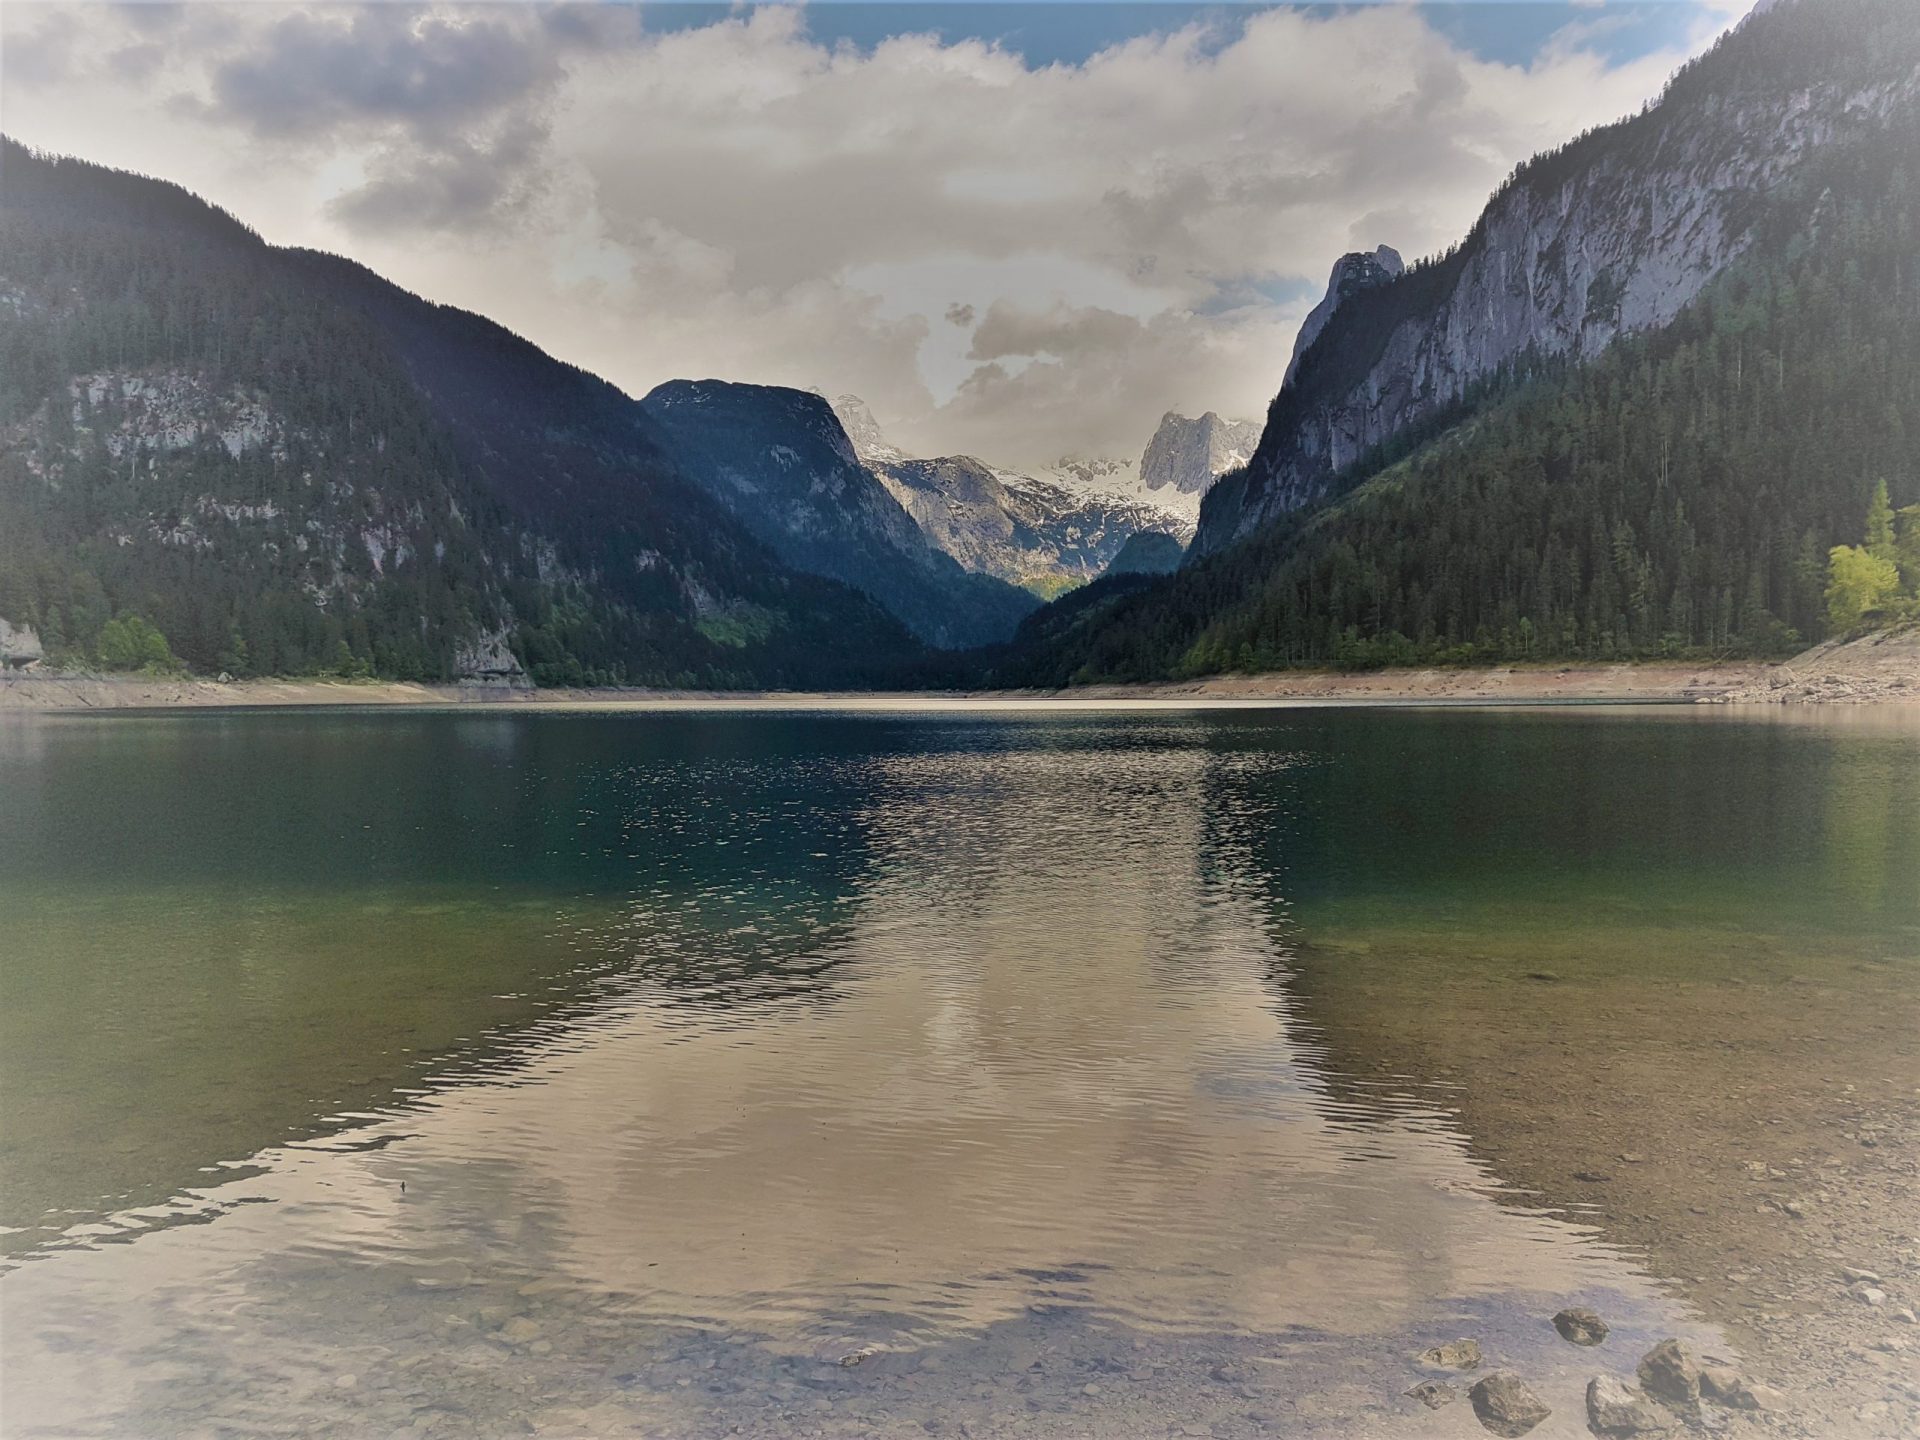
<point x="1016" y="260"/>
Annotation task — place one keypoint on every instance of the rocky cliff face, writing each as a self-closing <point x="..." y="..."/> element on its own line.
<point x="1040" y="532"/>
<point x="1614" y="233"/>
<point x="19" y="646"/>
<point x="1186" y="456"/>
<point x="1353" y="272"/>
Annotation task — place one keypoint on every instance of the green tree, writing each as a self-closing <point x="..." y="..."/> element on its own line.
<point x="128" y="642"/>
<point x="1858" y="583"/>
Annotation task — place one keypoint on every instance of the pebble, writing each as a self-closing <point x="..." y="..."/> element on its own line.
<point x="1433" y="1394"/>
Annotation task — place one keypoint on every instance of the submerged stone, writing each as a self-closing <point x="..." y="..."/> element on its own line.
<point x="1580" y="1326"/>
<point x="1506" y="1406"/>
<point x="1669" y="1374"/>
<point x="1454" y="1355"/>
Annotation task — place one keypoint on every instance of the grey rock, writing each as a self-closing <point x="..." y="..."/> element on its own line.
<point x="1506" y="1406"/>
<point x="1454" y="1355"/>
<point x="1616" y="1408"/>
<point x="1669" y="1373"/>
<point x="1869" y="1295"/>
<point x="1433" y="1394"/>
<point x="20" y="647"/>
<point x="1727" y="1387"/>
<point x="1580" y="1326"/>
<point x="1189" y="455"/>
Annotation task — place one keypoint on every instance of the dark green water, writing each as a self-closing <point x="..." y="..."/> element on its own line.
<point x="708" y="1046"/>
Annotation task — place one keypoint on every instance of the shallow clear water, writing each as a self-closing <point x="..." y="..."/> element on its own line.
<point x="496" y="1073"/>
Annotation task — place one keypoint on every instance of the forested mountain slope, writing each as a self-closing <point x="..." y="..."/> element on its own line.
<point x="1679" y="494"/>
<point x="283" y="464"/>
<point x="780" y="462"/>
<point x="1610" y="235"/>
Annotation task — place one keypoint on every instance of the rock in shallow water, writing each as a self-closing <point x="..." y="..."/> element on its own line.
<point x="1506" y="1406"/>
<point x="1454" y="1355"/>
<point x="1433" y="1394"/>
<point x="1669" y="1374"/>
<point x="1580" y="1326"/>
<point x="1616" y="1408"/>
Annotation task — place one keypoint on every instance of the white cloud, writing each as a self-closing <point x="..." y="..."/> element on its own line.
<point x="1016" y="261"/>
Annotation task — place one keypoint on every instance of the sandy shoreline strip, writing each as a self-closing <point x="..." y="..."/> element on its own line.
<point x="1877" y="669"/>
<point x="1623" y="683"/>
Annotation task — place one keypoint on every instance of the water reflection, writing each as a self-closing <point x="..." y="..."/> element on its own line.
<point x="974" y="1042"/>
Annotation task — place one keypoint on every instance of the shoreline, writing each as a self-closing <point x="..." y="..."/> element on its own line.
<point x="1875" y="670"/>
<point x="1746" y="1157"/>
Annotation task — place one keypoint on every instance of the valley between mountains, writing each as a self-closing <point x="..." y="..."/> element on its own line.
<point x="1658" y="405"/>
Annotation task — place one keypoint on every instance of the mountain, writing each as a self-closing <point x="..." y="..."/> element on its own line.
<point x="1353" y="272"/>
<point x="1148" y="553"/>
<point x="1611" y="235"/>
<point x="1674" y="491"/>
<point x="1187" y="456"/>
<point x="869" y="441"/>
<point x="780" y="461"/>
<point x="271" y="461"/>
<point x="1043" y="533"/>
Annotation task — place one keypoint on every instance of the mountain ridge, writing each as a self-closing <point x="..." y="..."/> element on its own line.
<point x="1607" y="235"/>
<point x="289" y="465"/>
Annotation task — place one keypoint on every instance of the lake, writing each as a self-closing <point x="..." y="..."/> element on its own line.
<point x="1028" y="1072"/>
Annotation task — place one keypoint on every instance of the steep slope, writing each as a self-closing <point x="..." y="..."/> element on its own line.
<point x="779" y="460"/>
<point x="284" y="464"/>
<point x="1613" y="234"/>
<point x="1043" y="534"/>
<point x="1676" y="495"/>
<point x="1148" y="553"/>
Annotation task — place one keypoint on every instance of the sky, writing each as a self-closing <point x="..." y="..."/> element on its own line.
<point x="1019" y="231"/>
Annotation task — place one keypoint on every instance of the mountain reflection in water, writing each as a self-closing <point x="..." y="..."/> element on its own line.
<point x="763" y="1040"/>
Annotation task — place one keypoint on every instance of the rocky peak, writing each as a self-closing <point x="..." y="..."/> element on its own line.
<point x="1612" y="234"/>
<point x="870" y="442"/>
<point x="1187" y="455"/>
<point x="1353" y="272"/>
